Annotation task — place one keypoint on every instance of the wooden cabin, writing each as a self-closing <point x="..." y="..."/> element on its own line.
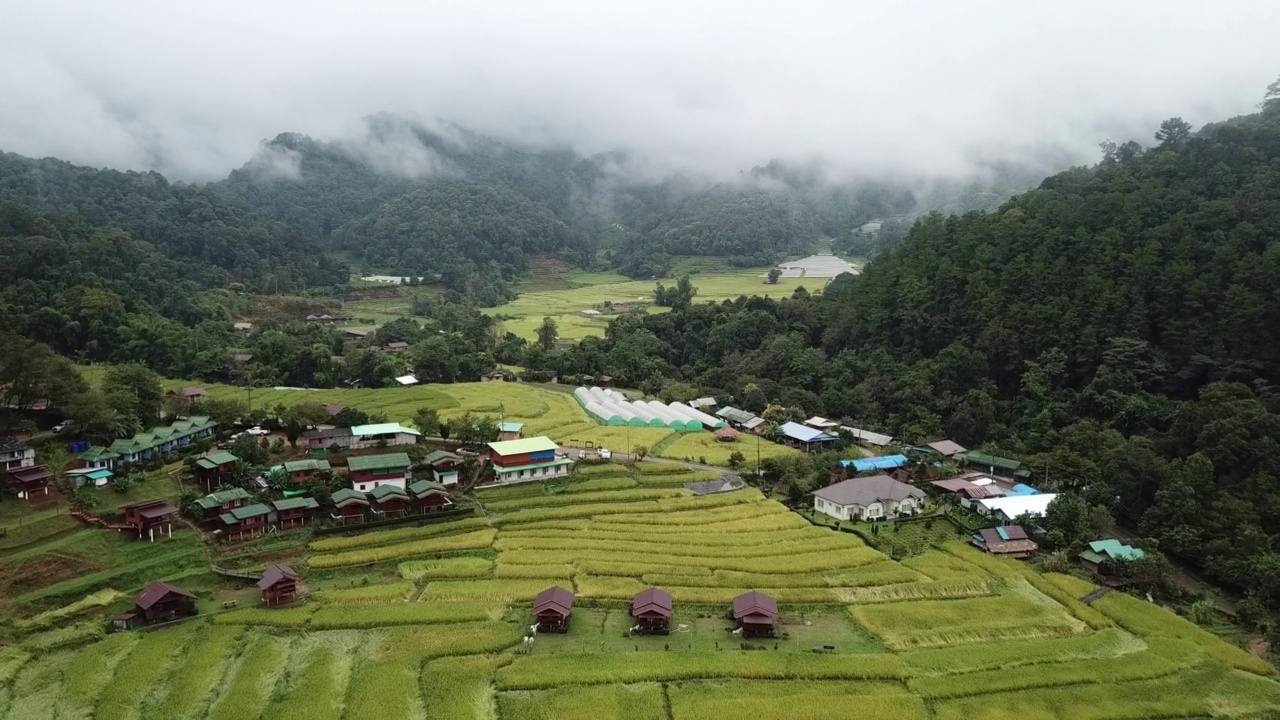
<point x="390" y="500"/>
<point x="279" y="585"/>
<point x="755" y="615"/>
<point x="150" y="518"/>
<point x="293" y="512"/>
<point x="161" y="602"/>
<point x="510" y="430"/>
<point x="652" y="611"/>
<point x="552" y="609"/>
<point x="223" y="501"/>
<point x="351" y="505"/>
<point x="245" y="523"/>
<point x="31" y="483"/>
<point x="213" y="469"/>
<point x="369" y="472"/>
<point x="445" y="465"/>
<point x="301" y="471"/>
<point x="428" y="497"/>
<point x="1008" y="541"/>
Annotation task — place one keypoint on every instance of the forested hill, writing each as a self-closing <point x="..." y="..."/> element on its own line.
<point x="1176" y="247"/>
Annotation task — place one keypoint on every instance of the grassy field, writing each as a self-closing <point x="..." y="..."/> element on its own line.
<point x="427" y="622"/>
<point x="576" y="291"/>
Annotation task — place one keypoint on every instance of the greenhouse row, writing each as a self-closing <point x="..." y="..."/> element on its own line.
<point x="610" y="407"/>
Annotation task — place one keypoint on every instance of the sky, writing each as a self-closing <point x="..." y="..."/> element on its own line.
<point x="922" y="87"/>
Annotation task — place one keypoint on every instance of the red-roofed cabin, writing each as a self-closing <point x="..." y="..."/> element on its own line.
<point x="279" y="585"/>
<point x="31" y="483"/>
<point x="159" y="603"/>
<point x="755" y="614"/>
<point x="652" y="610"/>
<point x="150" y="518"/>
<point x="552" y="609"/>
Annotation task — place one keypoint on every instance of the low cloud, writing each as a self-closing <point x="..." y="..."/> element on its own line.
<point x="868" y="89"/>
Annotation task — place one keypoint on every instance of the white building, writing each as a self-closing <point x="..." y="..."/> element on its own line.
<point x="868" y="498"/>
<point x="15" y="454"/>
<point x="388" y="434"/>
<point x="1011" y="507"/>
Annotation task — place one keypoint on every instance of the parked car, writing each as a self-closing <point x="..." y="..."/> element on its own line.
<point x="256" y="430"/>
<point x="62" y="426"/>
<point x="605" y="453"/>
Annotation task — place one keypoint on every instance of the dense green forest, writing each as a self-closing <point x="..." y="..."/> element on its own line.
<point x="1118" y="328"/>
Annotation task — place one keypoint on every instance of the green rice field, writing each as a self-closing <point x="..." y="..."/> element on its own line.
<point x="427" y="622"/>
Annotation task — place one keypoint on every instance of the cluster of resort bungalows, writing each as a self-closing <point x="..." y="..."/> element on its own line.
<point x="754" y="614"/>
<point x="162" y="603"/>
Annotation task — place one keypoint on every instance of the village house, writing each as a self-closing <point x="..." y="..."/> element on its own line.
<point x="350" y="504"/>
<point x="326" y="438"/>
<point x="245" y="522"/>
<point x="223" y="501"/>
<point x="189" y="394"/>
<point x="1011" y="507"/>
<point x="396" y="347"/>
<point x="428" y="496"/>
<point x="95" y="477"/>
<point x="1102" y="555"/>
<point x="552" y="608"/>
<point x="868" y="438"/>
<point x="279" y="585"/>
<point x="159" y="441"/>
<point x="383" y="434"/>
<point x="159" y="603"/>
<point x="861" y="465"/>
<point x="726" y="435"/>
<point x="527" y="459"/>
<point x="241" y="358"/>
<point x="820" y="423"/>
<point x="368" y="472"/>
<point x="803" y="436"/>
<point x="407" y="380"/>
<point x="151" y="518"/>
<point x="510" y="430"/>
<point x="754" y="615"/>
<point x="97" y="458"/>
<point x="445" y="465"/>
<point x="945" y="448"/>
<point x="499" y="375"/>
<point x="213" y="469"/>
<point x="968" y="489"/>
<point x="992" y="464"/>
<point x="1008" y="541"/>
<point x="15" y="454"/>
<point x="868" y="498"/>
<point x="293" y="512"/>
<point x="301" y="471"/>
<point x="356" y="335"/>
<point x="30" y="482"/>
<point x="705" y="404"/>
<point x="242" y="326"/>
<point x="741" y="419"/>
<point x="651" y="610"/>
<point x="390" y="500"/>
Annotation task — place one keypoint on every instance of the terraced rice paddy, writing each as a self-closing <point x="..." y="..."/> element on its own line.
<point x="427" y="622"/>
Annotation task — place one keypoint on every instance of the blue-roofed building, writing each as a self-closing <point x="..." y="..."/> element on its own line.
<point x="884" y="462"/>
<point x="803" y="436"/>
<point x="1021" y="489"/>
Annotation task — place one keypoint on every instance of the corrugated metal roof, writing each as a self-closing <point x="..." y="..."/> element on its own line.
<point x="554" y="598"/>
<point x="510" y="427"/>
<point x="295" y="503"/>
<point x="804" y="433"/>
<point x="652" y="600"/>
<point x="378" y="462"/>
<point x="754" y="603"/>
<point x="946" y="447"/>
<point x="864" y="491"/>
<point x="276" y="573"/>
<point x="222" y="497"/>
<point x="157" y="591"/>
<point x="523" y="445"/>
<point x="1116" y="550"/>
<point x="867" y="436"/>
<point x="382" y="429"/>
<point x="885" y="462"/>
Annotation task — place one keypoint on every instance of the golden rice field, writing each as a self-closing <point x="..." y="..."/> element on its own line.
<point x="427" y="622"/>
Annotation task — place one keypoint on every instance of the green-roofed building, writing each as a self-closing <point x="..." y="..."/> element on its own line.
<point x="98" y="458"/>
<point x="992" y="464"/>
<point x="245" y="522"/>
<point x="445" y="466"/>
<point x="390" y="500"/>
<point x="301" y="471"/>
<point x="224" y="500"/>
<point x="1101" y="557"/>
<point x="429" y="496"/>
<point x="294" y="512"/>
<point x="214" y="468"/>
<point x="368" y="472"/>
<point x="510" y="430"/>
<point x="161" y="440"/>
<point x="351" y="505"/>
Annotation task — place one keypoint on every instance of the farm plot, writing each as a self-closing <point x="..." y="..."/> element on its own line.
<point x="809" y="700"/>
<point x="934" y="623"/>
